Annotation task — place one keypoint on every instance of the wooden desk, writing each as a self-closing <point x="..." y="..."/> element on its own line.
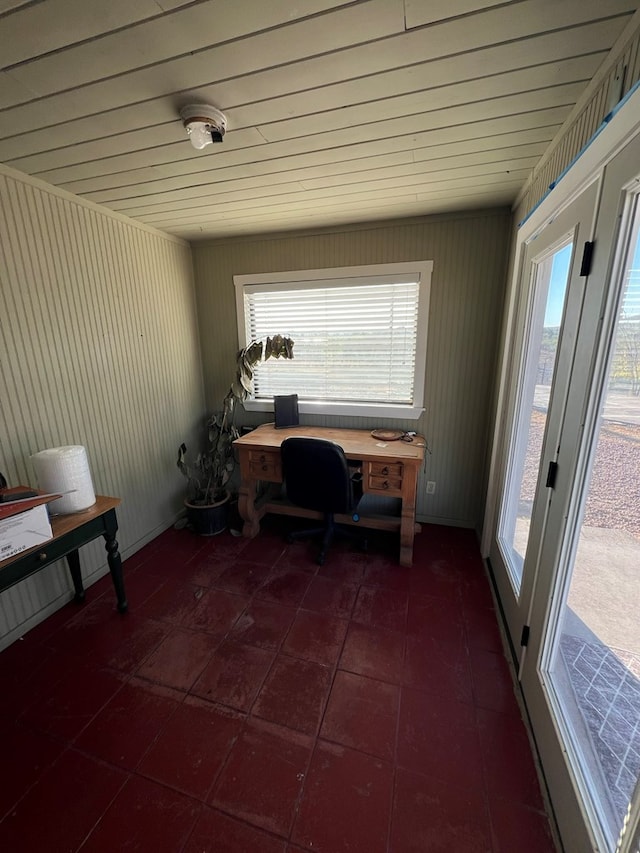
<point x="70" y="532"/>
<point x="388" y="468"/>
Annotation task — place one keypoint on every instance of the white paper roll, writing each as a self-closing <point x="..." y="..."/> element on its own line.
<point x="65" y="469"/>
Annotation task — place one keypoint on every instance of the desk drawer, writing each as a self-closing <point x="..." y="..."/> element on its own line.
<point x="264" y="465"/>
<point x="385" y="477"/>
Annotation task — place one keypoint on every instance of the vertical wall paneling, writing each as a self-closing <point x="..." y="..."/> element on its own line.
<point x="470" y="255"/>
<point x="100" y="347"/>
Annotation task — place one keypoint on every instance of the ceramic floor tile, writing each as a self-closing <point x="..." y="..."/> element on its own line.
<point x="263" y="777"/>
<point x="516" y="827"/>
<point x="381" y="608"/>
<point x="436" y="575"/>
<point x="264" y="625"/>
<point x="126" y="727"/>
<point x="482" y="628"/>
<point x="171" y="603"/>
<point x="425" y="744"/>
<point x="508" y="762"/>
<point x="218" y="833"/>
<point x="234" y="675"/>
<point x="294" y="694"/>
<point x="314" y="636"/>
<point x="180" y="658"/>
<point x="346" y="803"/>
<point x="441" y="669"/>
<point x="242" y="577"/>
<point x="330" y="597"/>
<point x="285" y="587"/>
<point x="363" y="714"/>
<point x="266" y="549"/>
<point x="25" y="756"/>
<point x="374" y="653"/>
<point x="420" y="745"/>
<point x="217" y="612"/>
<point x="386" y="573"/>
<point x="61" y="808"/>
<point x="493" y="682"/>
<point x="192" y="748"/>
<point x="73" y="702"/>
<point x="430" y="816"/>
<point x="434" y="618"/>
<point x="145" y="816"/>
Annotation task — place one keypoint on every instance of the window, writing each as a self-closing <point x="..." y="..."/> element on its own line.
<point x="360" y="337"/>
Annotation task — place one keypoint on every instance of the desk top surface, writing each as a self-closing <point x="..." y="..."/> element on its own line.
<point x="356" y="443"/>
<point x="61" y="524"/>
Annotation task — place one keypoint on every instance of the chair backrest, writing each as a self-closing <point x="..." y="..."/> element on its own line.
<point x="316" y="474"/>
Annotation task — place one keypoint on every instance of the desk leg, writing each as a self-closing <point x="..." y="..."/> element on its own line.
<point x="408" y="515"/>
<point x="73" y="561"/>
<point x="114" y="560"/>
<point x="247" y="508"/>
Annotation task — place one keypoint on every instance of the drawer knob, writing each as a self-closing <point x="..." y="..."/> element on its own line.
<point x="385" y="485"/>
<point x="265" y="467"/>
<point x="385" y="471"/>
<point x="42" y="557"/>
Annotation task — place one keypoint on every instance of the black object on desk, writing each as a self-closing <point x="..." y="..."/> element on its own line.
<point x="285" y="408"/>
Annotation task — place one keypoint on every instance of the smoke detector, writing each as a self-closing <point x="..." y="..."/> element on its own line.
<point x="204" y="124"/>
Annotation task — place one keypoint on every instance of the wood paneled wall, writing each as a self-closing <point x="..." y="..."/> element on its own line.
<point x="99" y="347"/>
<point x="470" y="256"/>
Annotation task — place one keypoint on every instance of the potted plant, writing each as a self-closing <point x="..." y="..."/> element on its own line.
<point x="208" y="473"/>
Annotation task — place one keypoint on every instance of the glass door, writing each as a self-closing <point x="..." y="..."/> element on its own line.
<point x="551" y="294"/>
<point x="581" y="673"/>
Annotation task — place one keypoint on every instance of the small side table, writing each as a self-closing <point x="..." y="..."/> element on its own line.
<point x="71" y="532"/>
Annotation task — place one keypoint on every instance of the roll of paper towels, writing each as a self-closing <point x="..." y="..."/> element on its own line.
<point x="65" y="469"/>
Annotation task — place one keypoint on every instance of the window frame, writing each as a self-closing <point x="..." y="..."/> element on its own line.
<point x="421" y="269"/>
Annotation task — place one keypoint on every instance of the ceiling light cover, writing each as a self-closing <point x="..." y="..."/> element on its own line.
<point x="204" y="124"/>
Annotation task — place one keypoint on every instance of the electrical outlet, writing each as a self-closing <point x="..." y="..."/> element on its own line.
<point x="431" y="487"/>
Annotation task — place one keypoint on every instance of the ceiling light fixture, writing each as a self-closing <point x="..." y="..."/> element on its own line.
<point x="204" y="124"/>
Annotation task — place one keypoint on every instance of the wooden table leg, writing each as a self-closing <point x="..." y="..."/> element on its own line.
<point x="247" y="508"/>
<point x="114" y="560"/>
<point x="73" y="561"/>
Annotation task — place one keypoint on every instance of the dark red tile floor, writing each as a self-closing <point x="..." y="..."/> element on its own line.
<point x="253" y="702"/>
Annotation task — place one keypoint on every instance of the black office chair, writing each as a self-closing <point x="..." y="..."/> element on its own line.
<point x="317" y="476"/>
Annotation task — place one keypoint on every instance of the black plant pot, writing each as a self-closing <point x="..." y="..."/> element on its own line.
<point x="208" y="519"/>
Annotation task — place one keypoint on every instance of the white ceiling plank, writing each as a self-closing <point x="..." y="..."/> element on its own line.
<point x="354" y="171"/>
<point x="485" y="162"/>
<point x="44" y="27"/>
<point x="198" y="71"/>
<point x="291" y="193"/>
<point x="338" y="110"/>
<point x="425" y="101"/>
<point x="418" y="13"/>
<point x="187" y="30"/>
<point x="319" y="198"/>
<point x="274" y="84"/>
<point x="239" y="56"/>
<point x="555" y="15"/>
<point x="560" y="96"/>
<point x="579" y="69"/>
<point x="142" y="182"/>
<point x="401" y="208"/>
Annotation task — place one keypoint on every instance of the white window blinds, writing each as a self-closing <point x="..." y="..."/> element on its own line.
<point x="355" y="339"/>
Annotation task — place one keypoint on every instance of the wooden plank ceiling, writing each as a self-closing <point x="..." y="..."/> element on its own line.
<point x="337" y="111"/>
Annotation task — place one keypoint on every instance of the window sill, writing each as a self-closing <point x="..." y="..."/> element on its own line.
<point x="356" y="410"/>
